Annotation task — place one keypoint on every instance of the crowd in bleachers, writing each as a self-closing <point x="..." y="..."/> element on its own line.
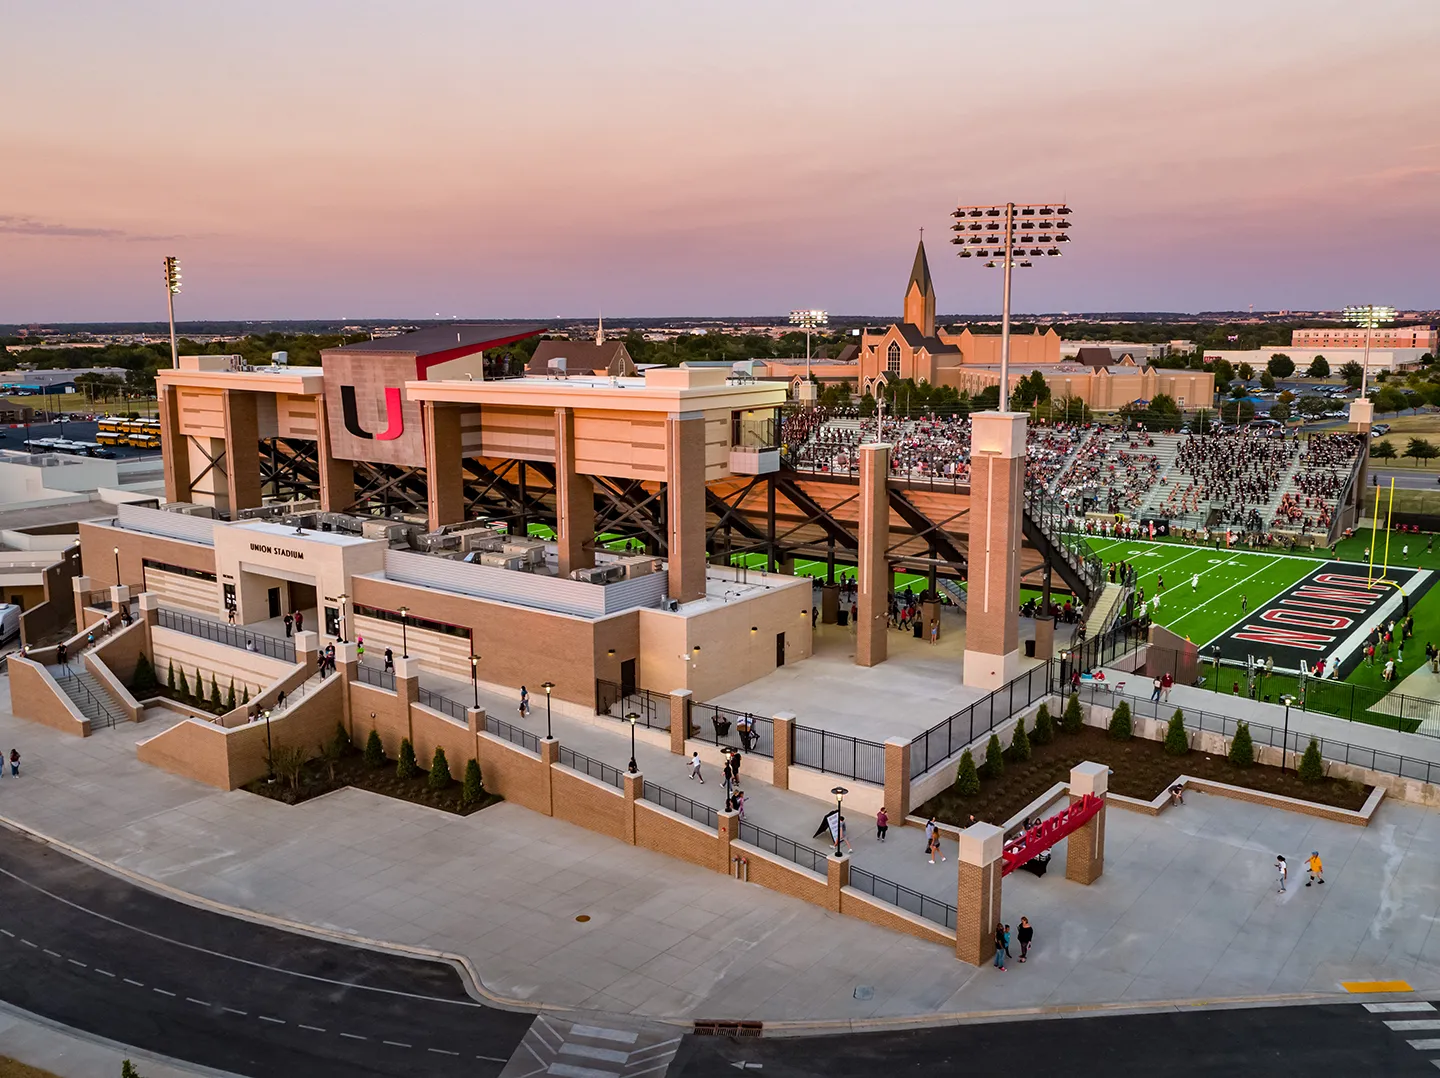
<point x="1113" y="468"/>
<point x="1237" y="470"/>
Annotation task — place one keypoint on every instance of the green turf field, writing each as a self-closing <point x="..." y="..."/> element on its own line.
<point x="1209" y="608"/>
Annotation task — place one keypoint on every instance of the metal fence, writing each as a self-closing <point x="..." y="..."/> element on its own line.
<point x="952" y="735"/>
<point x="1103" y="650"/>
<point x="653" y="708"/>
<point x="237" y="636"/>
<point x="718" y="725"/>
<point x="596" y="769"/>
<point x="513" y="734"/>
<point x="897" y="894"/>
<point x="385" y="679"/>
<point x="1388" y="763"/>
<point x="804" y="856"/>
<point x="443" y="704"/>
<point x="839" y="754"/>
<point x="683" y="806"/>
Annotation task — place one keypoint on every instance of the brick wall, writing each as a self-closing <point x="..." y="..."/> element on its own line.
<point x="864" y="907"/>
<point x="978" y="908"/>
<point x="1085" y="849"/>
<point x="588" y="802"/>
<point x="35" y="696"/>
<point x="663" y="831"/>
<point x="777" y="874"/>
<point x="513" y="773"/>
<point x="121" y="650"/>
<point x="431" y="729"/>
<point x="373" y="708"/>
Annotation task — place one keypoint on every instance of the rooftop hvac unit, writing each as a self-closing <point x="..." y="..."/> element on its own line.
<point x="500" y="560"/>
<point x="483" y="541"/>
<point x="640" y="567"/>
<point x="388" y="530"/>
<point x="190" y="509"/>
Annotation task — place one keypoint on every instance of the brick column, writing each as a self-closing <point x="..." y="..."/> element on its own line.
<point x="337" y="477"/>
<point x="783" y="748"/>
<point x="837" y="877"/>
<point x="407" y="686"/>
<point x="574" y="501"/>
<point x="728" y="830"/>
<point x="549" y="757"/>
<point x="1085" y="848"/>
<point x="174" y="447"/>
<point x="1362" y="418"/>
<point x="872" y="641"/>
<point x="685" y="506"/>
<point x="444" y="479"/>
<point x="897" y="778"/>
<point x="634" y="791"/>
<point x="242" y="455"/>
<point x="977" y="895"/>
<point x="80" y="585"/>
<point x="679" y="720"/>
<point x="150" y="609"/>
<point x="475" y="720"/>
<point x="997" y="489"/>
<point x="1044" y="638"/>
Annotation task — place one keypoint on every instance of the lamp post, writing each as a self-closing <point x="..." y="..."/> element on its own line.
<point x="1287" y="699"/>
<point x="633" y="718"/>
<point x="808" y="320"/>
<point x="1369" y="317"/>
<point x="839" y="792"/>
<point x="1012" y="234"/>
<point x="549" y="687"/>
<point x="172" y="289"/>
<point x="269" y="750"/>
<point x="475" y="677"/>
<point x="117" y="566"/>
<point x="404" y="635"/>
<point x="342" y="597"/>
<point x="1215" y="654"/>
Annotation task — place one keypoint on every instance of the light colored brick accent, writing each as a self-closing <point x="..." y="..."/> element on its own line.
<point x="549" y="757"/>
<point x="679" y="720"/>
<point x="728" y="830"/>
<point x="783" y="748"/>
<point x="475" y="719"/>
<point x="634" y="791"/>
<point x="1085" y="849"/>
<point x="897" y="777"/>
<point x="872" y="640"/>
<point x="82" y="585"/>
<point x="837" y="878"/>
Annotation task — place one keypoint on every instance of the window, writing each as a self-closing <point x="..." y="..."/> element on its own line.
<point x="381" y="614"/>
<point x="178" y="570"/>
<point x="892" y="358"/>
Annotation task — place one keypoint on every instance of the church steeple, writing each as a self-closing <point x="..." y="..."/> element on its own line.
<point x="920" y="293"/>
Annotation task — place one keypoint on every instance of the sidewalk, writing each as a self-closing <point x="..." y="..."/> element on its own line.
<point x="68" y="1054"/>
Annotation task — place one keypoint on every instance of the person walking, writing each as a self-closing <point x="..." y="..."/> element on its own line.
<point x="935" y="847"/>
<point x="524" y="701"/>
<point x="1000" y="946"/>
<point x="1282" y="870"/>
<point x="1194" y="583"/>
<point x="1155" y="689"/>
<point x="882" y="824"/>
<point x="15" y="763"/>
<point x="739" y="800"/>
<point x="734" y="764"/>
<point x="299" y="621"/>
<point x="695" y="767"/>
<point x="844" y="835"/>
<point x="62" y="654"/>
<point x="230" y="617"/>
<point x="289" y="624"/>
<point x="389" y="661"/>
<point x="1316" y="867"/>
<point x="1025" y="935"/>
<point x="1244" y="604"/>
<point x="1167" y="682"/>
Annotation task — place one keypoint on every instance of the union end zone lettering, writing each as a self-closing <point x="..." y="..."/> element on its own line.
<point x="1285" y="638"/>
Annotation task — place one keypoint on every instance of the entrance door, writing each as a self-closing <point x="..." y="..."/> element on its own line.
<point x="273" y="596"/>
<point x="332" y="621"/>
<point x="627" y="677"/>
<point x="779" y="649"/>
<point x="229" y="596"/>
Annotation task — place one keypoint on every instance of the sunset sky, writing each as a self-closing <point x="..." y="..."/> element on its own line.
<point x="313" y="159"/>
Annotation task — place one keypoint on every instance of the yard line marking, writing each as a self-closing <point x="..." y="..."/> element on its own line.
<point x="52" y="954"/>
<point x="442" y="1052"/>
<point x="103" y="972"/>
<point x="1413" y="1025"/>
<point x="312" y="1029"/>
<point x="137" y="984"/>
<point x="355" y="1036"/>
<point x="200" y="1002"/>
<point x="163" y="992"/>
<point x="232" y="1010"/>
<point x="267" y="1018"/>
<point x="76" y="962"/>
<point x="565" y="1070"/>
<point x="398" y="1044"/>
<point x="1207" y="602"/>
<point x="1396" y="1008"/>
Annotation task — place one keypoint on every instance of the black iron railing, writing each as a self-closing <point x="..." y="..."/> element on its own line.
<point x="952" y="735"/>
<point x="513" y="734"/>
<point x="806" y="857"/>
<point x="839" y="754"/>
<point x="718" y="725"/>
<point x="236" y="636"/>
<point x="683" y="806"/>
<point x="897" y="894"/>
<point x="596" y="769"/>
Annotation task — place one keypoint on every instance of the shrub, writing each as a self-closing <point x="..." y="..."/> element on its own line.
<point x="405" y="766"/>
<point x="1020" y="742"/>
<point x="1073" y="721"/>
<point x="245" y="696"/>
<point x="1242" y="749"/>
<point x="341" y="740"/>
<point x="199" y="688"/>
<point x="170" y="678"/>
<point x="183" y="689"/>
<point x="288" y="762"/>
<point x="1312" y="767"/>
<point x="1121" y="728"/>
<point x="967" y="778"/>
<point x="994" y="758"/>
<point x="215" y="704"/>
<point x="473" y="788"/>
<point x="230" y="697"/>
<point x="1177" y="742"/>
<point x="439" y="777"/>
<point x="144" y="682"/>
<point x="1044" y="731"/>
<point x="127" y="1070"/>
<point x="374" y="751"/>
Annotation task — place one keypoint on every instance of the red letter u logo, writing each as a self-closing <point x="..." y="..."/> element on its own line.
<point x="394" y="415"/>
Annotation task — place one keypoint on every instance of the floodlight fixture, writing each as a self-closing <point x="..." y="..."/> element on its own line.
<point x="1001" y="246"/>
<point x="808" y="320"/>
<point x="172" y="289"/>
<point x="1369" y="317"/>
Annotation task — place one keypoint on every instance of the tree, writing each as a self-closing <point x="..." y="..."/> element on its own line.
<point x="1267" y="381"/>
<point x="405" y="766"/>
<point x="1164" y="404"/>
<point x="473" y="786"/>
<point x="1351" y="372"/>
<point x="199" y="688"/>
<point x="1044" y="726"/>
<point x="1421" y="449"/>
<point x="1245" y="371"/>
<point x="374" y="751"/>
<point x="127" y="1070"/>
<point x="1281" y="365"/>
<point x="1202" y="423"/>
<point x="230" y="697"/>
<point x="1121" y="728"/>
<point x="1382" y="450"/>
<point x="288" y="762"/>
<point x="143" y="682"/>
<point x="439" y="777"/>
<point x="967" y="779"/>
<point x="1020" y="742"/>
<point x="170" y="677"/>
<point x="215" y="703"/>
<point x="1312" y="766"/>
<point x="1224" y="372"/>
<point x="1237" y="412"/>
<point x="1319" y="367"/>
<point x="1177" y="742"/>
<point x="1239" y="391"/>
<point x="183" y="689"/>
<point x="245" y="696"/>
<point x="331" y="751"/>
<point x="1073" y="721"/>
<point x="994" y="758"/>
<point x="1280" y="412"/>
<point x="1242" y="749"/>
<point x="867" y="405"/>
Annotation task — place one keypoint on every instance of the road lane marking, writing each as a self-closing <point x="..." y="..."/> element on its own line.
<point x="52" y="954"/>
<point x="312" y="1029"/>
<point x="199" y="1002"/>
<point x="354" y="1036"/>
<point x="267" y="1018"/>
<point x="232" y="1010"/>
<point x="604" y="1055"/>
<point x="7" y="932"/>
<point x="1376" y="986"/>
<point x="493" y="1059"/>
<point x="28" y="943"/>
<point x="602" y="1033"/>
<point x="163" y="992"/>
<point x="1399" y="1007"/>
<point x="76" y="962"/>
<point x="442" y="1052"/>
<point x="103" y="972"/>
<point x="137" y="984"/>
<point x="1428" y="1045"/>
<point x="398" y="1044"/>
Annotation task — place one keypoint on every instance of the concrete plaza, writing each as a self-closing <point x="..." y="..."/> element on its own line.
<point x="1186" y="909"/>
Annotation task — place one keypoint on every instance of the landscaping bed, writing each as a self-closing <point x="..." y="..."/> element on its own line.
<point x="352" y="770"/>
<point x="1141" y="769"/>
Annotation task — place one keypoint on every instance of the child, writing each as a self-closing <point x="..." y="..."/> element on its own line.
<point x="695" y="767"/>
<point x="1283" y="870"/>
<point x="1317" y="869"/>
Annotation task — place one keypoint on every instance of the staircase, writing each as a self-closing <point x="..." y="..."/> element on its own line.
<point x="1107" y="605"/>
<point x="1041" y="522"/>
<point x="87" y="695"/>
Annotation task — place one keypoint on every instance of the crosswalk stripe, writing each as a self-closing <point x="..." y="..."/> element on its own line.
<point x="565" y="1070"/>
<point x="1399" y="1008"/>
<point x="601" y="1033"/>
<point x="1429" y="1045"/>
<point x="611" y="1055"/>
<point x="1414" y="1025"/>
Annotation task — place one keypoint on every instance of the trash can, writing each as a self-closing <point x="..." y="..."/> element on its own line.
<point x="1029" y="649"/>
<point x="842" y="617"/>
<point x="919" y="631"/>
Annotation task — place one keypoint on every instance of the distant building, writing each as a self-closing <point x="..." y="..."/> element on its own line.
<point x="1426" y="338"/>
<point x="597" y="357"/>
<point x="21" y="383"/>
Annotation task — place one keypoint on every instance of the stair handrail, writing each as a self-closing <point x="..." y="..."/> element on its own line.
<point x="70" y="675"/>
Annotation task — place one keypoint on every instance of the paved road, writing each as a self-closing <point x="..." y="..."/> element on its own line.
<point x="95" y="953"/>
<point x="1408" y="480"/>
<point x="1257" y="1043"/>
<point x="13" y="437"/>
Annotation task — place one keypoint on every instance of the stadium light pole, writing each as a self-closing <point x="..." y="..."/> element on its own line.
<point x="1370" y="317"/>
<point x="809" y="320"/>
<point x="1010" y="235"/>
<point x="172" y="289"/>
